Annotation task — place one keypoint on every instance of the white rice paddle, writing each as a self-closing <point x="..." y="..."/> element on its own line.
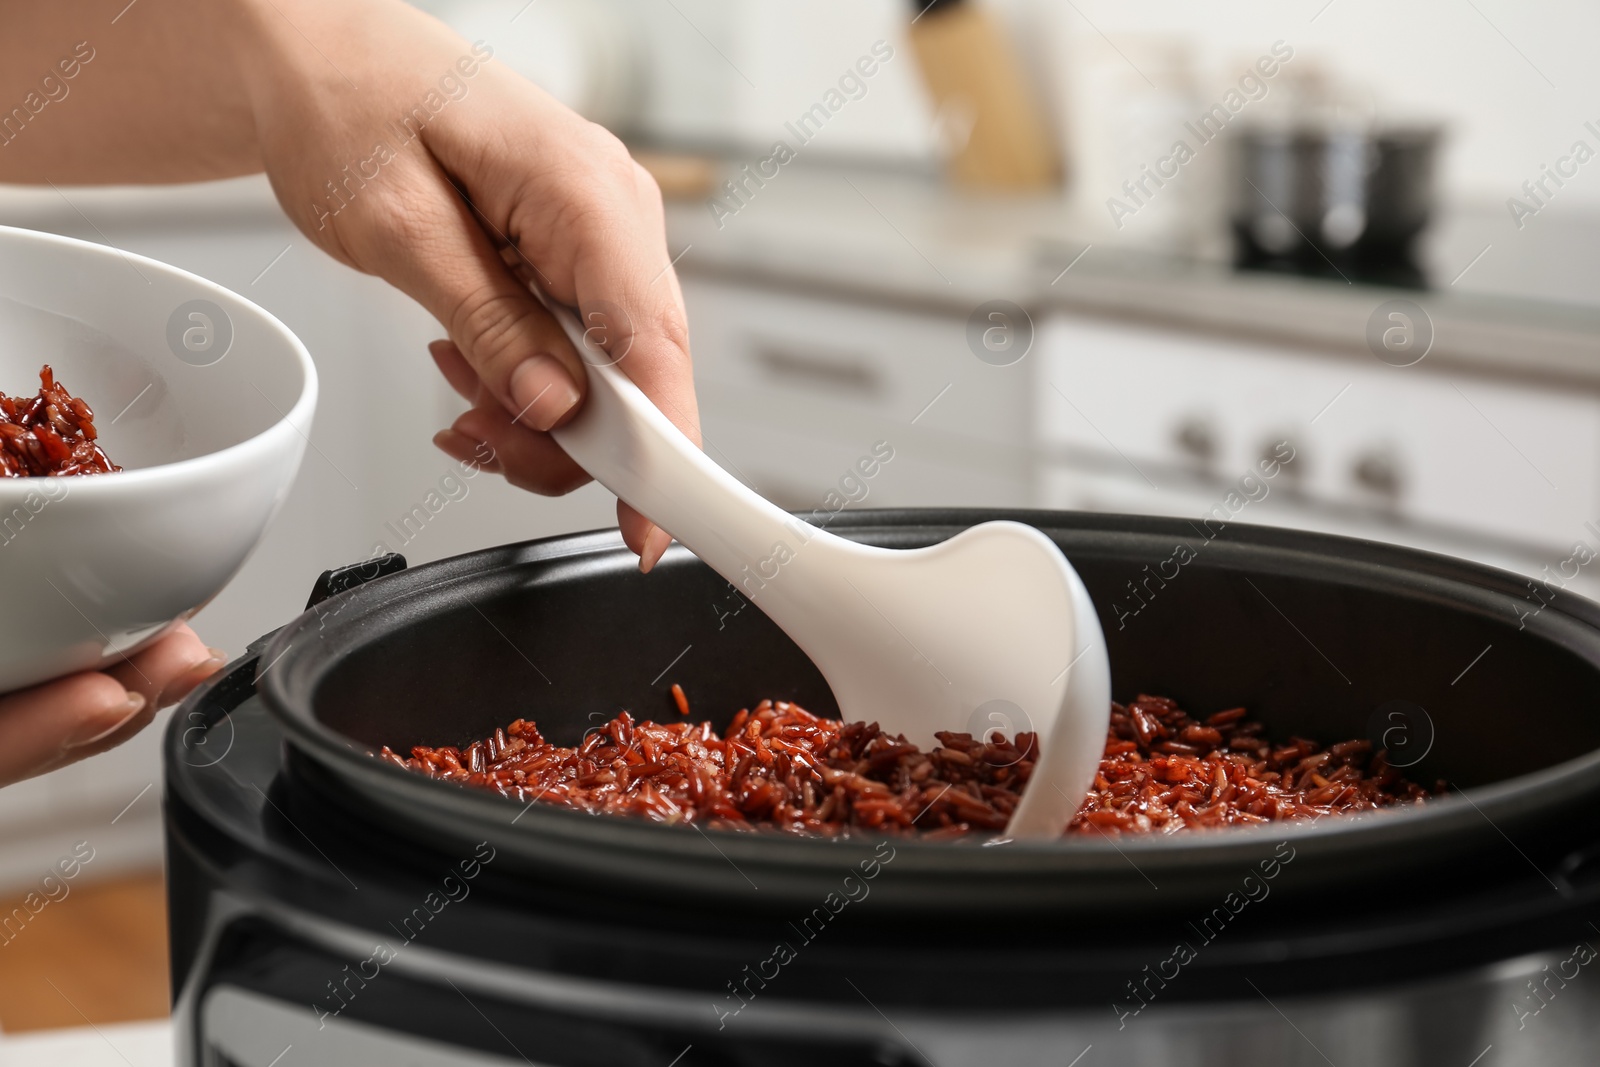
<point x="989" y="630"/>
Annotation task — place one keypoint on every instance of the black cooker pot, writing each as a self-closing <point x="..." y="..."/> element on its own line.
<point x="1319" y="637"/>
<point x="293" y="851"/>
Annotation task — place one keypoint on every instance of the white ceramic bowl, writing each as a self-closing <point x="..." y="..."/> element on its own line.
<point x="202" y="397"/>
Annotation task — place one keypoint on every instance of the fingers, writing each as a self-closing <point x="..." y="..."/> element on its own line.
<point x="557" y="200"/>
<point x="57" y="723"/>
<point x="434" y="247"/>
<point x="534" y="462"/>
<point x="624" y="264"/>
<point x="528" y="460"/>
<point x="49" y="725"/>
<point x="456" y="370"/>
<point x="646" y="539"/>
<point x="463" y="449"/>
<point x="165" y="672"/>
<point x="488" y="438"/>
<point x="569" y="198"/>
<point x="627" y="272"/>
<point x="485" y="431"/>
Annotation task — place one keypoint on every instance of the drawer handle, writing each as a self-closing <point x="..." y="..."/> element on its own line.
<point x="834" y="372"/>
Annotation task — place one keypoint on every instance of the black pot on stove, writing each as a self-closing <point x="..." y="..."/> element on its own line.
<point x="328" y="902"/>
<point x="1344" y="202"/>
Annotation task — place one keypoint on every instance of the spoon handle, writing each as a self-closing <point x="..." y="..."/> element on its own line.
<point x="632" y="449"/>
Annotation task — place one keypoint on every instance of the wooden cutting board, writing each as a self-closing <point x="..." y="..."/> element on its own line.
<point x="973" y="72"/>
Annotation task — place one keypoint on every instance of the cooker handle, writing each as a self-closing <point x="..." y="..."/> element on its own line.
<point x="340" y="579"/>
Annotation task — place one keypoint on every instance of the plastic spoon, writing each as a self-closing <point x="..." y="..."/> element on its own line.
<point x="989" y="630"/>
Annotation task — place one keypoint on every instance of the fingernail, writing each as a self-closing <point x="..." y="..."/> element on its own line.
<point x="455" y="444"/>
<point x="184" y="683"/>
<point x="98" y="729"/>
<point x="543" y="392"/>
<point x="656" y="543"/>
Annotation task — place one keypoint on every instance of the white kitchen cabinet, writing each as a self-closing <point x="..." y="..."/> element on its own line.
<point x="1112" y="415"/>
<point x="799" y="469"/>
<point x="794" y="388"/>
<point x="1079" y="489"/>
<point x="1516" y="462"/>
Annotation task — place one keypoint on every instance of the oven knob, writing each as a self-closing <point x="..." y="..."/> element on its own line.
<point x="1288" y="458"/>
<point x="1378" y="472"/>
<point x="1196" y="439"/>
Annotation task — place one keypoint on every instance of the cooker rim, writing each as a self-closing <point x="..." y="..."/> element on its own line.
<point x="287" y="693"/>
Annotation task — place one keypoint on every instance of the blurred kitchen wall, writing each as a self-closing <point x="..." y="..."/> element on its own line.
<point x="1507" y="83"/>
<point x="1506" y="78"/>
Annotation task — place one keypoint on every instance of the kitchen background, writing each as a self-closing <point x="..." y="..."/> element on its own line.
<point x="947" y="257"/>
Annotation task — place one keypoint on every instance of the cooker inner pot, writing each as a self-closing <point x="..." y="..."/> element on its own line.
<point x="1319" y="637"/>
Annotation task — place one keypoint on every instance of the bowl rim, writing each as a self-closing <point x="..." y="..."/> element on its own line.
<point x="297" y="418"/>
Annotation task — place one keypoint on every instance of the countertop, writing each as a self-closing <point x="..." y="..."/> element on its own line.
<point x="1524" y="303"/>
<point x="144" y="1044"/>
<point x="1528" y="304"/>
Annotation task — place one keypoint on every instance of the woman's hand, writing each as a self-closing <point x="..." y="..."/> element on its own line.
<point x="411" y="154"/>
<point x="401" y="150"/>
<point x="61" y="722"/>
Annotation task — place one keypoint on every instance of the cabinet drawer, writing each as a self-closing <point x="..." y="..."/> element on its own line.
<point x="798" y="359"/>
<point x="799" y="471"/>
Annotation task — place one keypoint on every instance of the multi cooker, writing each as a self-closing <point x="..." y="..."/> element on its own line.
<point x="334" y="908"/>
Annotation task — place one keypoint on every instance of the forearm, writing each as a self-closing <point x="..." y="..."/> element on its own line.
<point x="171" y="90"/>
<point x="100" y="91"/>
